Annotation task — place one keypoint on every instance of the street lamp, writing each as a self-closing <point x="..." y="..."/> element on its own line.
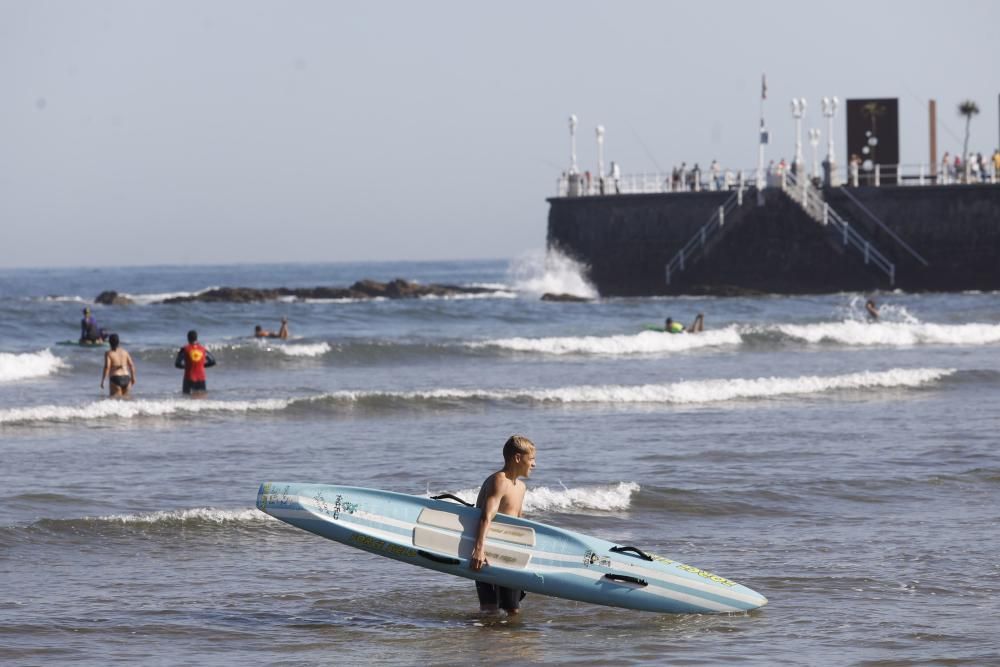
<point x="572" y="143"/>
<point x="798" y="110"/>
<point x="830" y="105"/>
<point x="600" y="150"/>
<point x="814" y="142"/>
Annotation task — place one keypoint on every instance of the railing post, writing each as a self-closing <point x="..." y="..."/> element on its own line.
<point x="722" y="216"/>
<point x="826" y="214"/>
<point x="681" y="256"/>
<point x="667" y="269"/>
<point x="878" y="175"/>
<point x="892" y="275"/>
<point x="703" y="237"/>
<point x="867" y="251"/>
<point x="846" y="226"/>
<point x="739" y="194"/>
<point x="921" y="174"/>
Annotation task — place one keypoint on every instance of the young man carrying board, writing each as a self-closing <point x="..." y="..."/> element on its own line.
<point x="502" y="492"/>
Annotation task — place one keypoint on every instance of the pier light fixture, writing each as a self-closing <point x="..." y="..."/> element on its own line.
<point x="798" y="111"/>
<point x="814" y="142"/>
<point x="599" y="131"/>
<point x="572" y="145"/>
<point x="830" y="105"/>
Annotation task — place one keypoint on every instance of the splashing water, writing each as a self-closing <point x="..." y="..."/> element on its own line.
<point x="535" y="272"/>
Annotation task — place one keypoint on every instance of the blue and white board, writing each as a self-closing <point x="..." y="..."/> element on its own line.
<point x="522" y="554"/>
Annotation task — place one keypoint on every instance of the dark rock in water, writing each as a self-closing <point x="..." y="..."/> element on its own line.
<point x="112" y="298"/>
<point x="363" y="289"/>
<point x="549" y="296"/>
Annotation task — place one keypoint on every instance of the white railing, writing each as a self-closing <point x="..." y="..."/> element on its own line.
<point x="811" y="200"/>
<point x="585" y="185"/>
<point x="704" y="237"/>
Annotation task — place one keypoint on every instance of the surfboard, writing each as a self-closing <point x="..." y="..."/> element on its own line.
<point x="521" y="554"/>
<point x="653" y="327"/>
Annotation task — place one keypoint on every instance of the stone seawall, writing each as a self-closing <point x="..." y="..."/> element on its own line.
<point x="771" y="245"/>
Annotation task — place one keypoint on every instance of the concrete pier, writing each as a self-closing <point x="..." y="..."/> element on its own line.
<point x="770" y="244"/>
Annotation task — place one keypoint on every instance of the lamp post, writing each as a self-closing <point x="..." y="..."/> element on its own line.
<point x="830" y="105"/>
<point x="798" y="110"/>
<point x="600" y="150"/>
<point x="572" y="143"/>
<point x="814" y="142"/>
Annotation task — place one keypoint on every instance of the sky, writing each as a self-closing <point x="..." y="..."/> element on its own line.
<point x="136" y="132"/>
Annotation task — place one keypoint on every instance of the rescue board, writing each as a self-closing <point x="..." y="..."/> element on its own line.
<point x="79" y="344"/>
<point x="522" y="554"/>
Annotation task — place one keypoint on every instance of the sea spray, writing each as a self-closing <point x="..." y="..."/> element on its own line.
<point x="538" y="273"/>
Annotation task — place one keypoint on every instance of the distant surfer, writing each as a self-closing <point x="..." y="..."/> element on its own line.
<point x="194" y="359"/>
<point x="90" y="333"/>
<point x="502" y="492"/>
<point x="119" y="368"/>
<point x="872" y="310"/>
<point x="676" y="327"/>
<point x="282" y="333"/>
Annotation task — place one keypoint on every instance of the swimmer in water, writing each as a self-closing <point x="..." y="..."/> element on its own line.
<point x="260" y="332"/>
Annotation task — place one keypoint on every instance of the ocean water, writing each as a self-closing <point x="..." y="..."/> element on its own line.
<point x="849" y="471"/>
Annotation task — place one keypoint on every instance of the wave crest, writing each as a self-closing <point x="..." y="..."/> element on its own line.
<point x="646" y="342"/>
<point x="601" y="498"/>
<point x="28" y="365"/>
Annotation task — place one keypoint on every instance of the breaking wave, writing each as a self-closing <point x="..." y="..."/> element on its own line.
<point x="135" y="408"/>
<point x="646" y="342"/>
<point x="28" y="365"/>
<point x="893" y="334"/>
<point x="601" y="498"/>
<point x="677" y="393"/>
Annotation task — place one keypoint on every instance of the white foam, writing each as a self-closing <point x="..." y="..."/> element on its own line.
<point x="146" y="299"/>
<point x="538" y="272"/>
<point x="604" y="498"/>
<point x="304" y="349"/>
<point x="695" y="391"/>
<point x="28" y="365"/>
<point x="893" y="334"/>
<point x="197" y="514"/>
<point x="66" y="299"/>
<point x="128" y="409"/>
<point x="646" y="342"/>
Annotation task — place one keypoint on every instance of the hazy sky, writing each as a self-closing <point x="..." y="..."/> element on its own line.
<point x="140" y="132"/>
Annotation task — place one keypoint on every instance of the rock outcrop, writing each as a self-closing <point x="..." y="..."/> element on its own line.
<point x="112" y="298"/>
<point x="363" y="289"/>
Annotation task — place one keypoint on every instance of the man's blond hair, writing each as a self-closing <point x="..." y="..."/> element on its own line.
<point x="517" y="444"/>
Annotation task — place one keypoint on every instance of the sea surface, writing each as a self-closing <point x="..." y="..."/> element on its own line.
<point x="849" y="471"/>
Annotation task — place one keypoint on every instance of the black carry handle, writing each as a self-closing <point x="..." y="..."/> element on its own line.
<point x="450" y="496"/>
<point x="447" y="560"/>
<point x="626" y="578"/>
<point x="638" y="552"/>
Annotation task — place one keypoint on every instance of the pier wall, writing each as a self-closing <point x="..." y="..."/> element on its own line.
<point x="627" y="240"/>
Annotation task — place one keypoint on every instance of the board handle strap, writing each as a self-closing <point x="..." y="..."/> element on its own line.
<point x="626" y="578"/>
<point x="450" y="496"/>
<point x="636" y="550"/>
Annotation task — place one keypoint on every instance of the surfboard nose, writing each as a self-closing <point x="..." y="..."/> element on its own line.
<point x="262" y="496"/>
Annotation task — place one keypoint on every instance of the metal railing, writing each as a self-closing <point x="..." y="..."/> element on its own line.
<point x="881" y="175"/>
<point x="809" y="198"/>
<point x="707" y="234"/>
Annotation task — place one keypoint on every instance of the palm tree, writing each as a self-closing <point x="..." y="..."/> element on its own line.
<point x="968" y="108"/>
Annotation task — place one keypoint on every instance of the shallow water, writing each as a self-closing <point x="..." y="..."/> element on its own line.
<point x="846" y="470"/>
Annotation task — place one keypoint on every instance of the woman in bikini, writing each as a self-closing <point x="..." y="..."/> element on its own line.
<point x="118" y="364"/>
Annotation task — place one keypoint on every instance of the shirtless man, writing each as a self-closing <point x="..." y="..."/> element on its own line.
<point x="118" y="364"/>
<point x="502" y="492"/>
